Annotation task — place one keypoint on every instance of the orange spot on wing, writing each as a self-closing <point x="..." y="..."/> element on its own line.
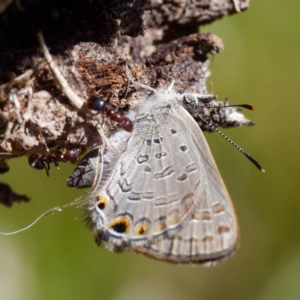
<point x="159" y="226"/>
<point x="141" y="229"/>
<point x="120" y="225"/>
<point x="102" y="202"/>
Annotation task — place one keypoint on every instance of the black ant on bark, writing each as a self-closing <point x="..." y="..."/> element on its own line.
<point x="98" y="104"/>
<point x="40" y="162"/>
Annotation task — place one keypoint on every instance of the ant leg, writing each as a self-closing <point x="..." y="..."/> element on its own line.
<point x="47" y="168"/>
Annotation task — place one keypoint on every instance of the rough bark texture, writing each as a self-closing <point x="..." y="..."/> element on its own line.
<point x="91" y="42"/>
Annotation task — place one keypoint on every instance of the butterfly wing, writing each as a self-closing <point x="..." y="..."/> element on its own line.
<point x="165" y="197"/>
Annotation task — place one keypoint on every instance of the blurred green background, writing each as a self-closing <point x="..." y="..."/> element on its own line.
<point x="57" y="258"/>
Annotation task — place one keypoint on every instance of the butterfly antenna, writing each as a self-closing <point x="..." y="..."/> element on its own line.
<point x="254" y="161"/>
<point x="247" y="106"/>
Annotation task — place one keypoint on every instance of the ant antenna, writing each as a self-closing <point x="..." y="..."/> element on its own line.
<point x="254" y="161"/>
<point x="243" y="105"/>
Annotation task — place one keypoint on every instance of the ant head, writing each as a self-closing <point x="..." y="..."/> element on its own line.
<point x="96" y="103"/>
<point x="37" y="161"/>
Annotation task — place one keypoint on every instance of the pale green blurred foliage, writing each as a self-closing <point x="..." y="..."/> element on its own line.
<point x="57" y="258"/>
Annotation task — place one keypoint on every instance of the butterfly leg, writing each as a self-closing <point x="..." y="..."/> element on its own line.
<point x="236" y="5"/>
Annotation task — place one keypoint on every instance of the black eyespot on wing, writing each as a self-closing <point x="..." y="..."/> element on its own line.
<point x="120" y="225"/>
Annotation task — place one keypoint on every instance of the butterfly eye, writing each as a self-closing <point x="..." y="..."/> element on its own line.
<point x="120" y="225"/>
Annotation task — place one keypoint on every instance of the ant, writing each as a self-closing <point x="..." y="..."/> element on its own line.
<point x="40" y="162"/>
<point x="71" y="155"/>
<point x="98" y="104"/>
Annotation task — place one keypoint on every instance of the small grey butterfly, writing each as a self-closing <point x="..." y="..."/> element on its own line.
<point x="160" y="193"/>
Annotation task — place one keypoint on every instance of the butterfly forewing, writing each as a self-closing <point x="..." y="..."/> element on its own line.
<point x="165" y="197"/>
